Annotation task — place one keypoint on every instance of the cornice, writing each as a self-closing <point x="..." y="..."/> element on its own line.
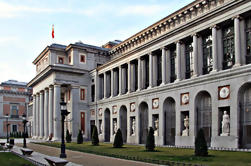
<point x="167" y="24"/>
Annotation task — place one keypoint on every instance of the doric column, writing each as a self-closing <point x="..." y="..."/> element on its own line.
<point x="143" y="73"/>
<point x="154" y="70"/>
<point x="34" y="116"/>
<point x="195" y="55"/>
<point x="150" y="70"/>
<point x="129" y="77"/>
<point x="46" y="130"/>
<point x="112" y="83"/>
<point x="214" y="48"/>
<point x="139" y="74"/>
<point x="237" y="41"/>
<point x="37" y="115"/>
<point x="178" y="51"/>
<point x="50" y="110"/>
<point x="56" y="112"/>
<point x="41" y="115"/>
<point x="105" y="80"/>
<point x="75" y="114"/>
<point x="120" y="80"/>
<point x="115" y="82"/>
<point x="168" y="66"/>
<point x="163" y="65"/>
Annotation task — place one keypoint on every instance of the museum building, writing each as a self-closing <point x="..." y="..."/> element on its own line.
<point x="188" y="71"/>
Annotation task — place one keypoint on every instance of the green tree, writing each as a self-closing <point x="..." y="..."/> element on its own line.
<point x="80" y="137"/>
<point x="200" y="144"/>
<point x="68" y="136"/>
<point x="95" y="140"/>
<point x="118" y="141"/>
<point x="150" y="142"/>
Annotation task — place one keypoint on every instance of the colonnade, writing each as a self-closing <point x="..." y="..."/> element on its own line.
<point x="132" y="76"/>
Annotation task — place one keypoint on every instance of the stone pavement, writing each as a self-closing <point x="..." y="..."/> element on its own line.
<point x="86" y="159"/>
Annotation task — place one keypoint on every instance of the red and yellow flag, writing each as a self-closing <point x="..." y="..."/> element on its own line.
<point x="52" y="33"/>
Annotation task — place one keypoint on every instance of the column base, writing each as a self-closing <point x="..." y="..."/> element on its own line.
<point x="194" y="76"/>
<point x="237" y="65"/>
<point x="162" y="84"/>
<point x="149" y="87"/>
<point x="214" y="71"/>
<point x="111" y="96"/>
<point x="138" y="90"/>
<point x="177" y="80"/>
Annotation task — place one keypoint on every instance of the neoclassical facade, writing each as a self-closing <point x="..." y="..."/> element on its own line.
<point x="189" y="71"/>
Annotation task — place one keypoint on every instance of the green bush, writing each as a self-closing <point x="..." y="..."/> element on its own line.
<point x="68" y="136"/>
<point x="118" y="141"/>
<point x="80" y="137"/>
<point x="95" y="140"/>
<point x="200" y="144"/>
<point x="150" y="142"/>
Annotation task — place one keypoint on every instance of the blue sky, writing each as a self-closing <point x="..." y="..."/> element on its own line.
<point x="25" y="26"/>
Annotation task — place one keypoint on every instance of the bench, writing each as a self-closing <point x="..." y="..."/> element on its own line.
<point x="55" y="161"/>
<point x="26" y="151"/>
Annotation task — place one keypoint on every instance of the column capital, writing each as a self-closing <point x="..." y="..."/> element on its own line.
<point x="179" y="41"/>
<point x="163" y="48"/>
<point x="149" y="53"/>
<point x="238" y="17"/>
<point x="56" y="85"/>
<point x="195" y="34"/>
<point x="75" y="86"/>
<point x="214" y="26"/>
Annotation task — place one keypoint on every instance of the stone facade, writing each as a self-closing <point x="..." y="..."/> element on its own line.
<point x="182" y="72"/>
<point x="14" y="99"/>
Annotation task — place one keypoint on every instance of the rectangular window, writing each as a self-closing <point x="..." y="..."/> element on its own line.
<point x="172" y="61"/>
<point x="82" y="94"/>
<point x="228" y="46"/>
<point x="189" y="59"/>
<point x="69" y="59"/>
<point x="14" y="111"/>
<point x="60" y="60"/>
<point x="14" y="128"/>
<point x="248" y="41"/>
<point x="82" y="58"/>
<point x="93" y="92"/>
<point x="207" y="54"/>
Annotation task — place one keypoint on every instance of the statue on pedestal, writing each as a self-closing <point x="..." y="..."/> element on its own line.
<point x="114" y="127"/>
<point x="133" y="127"/>
<point x="225" y="125"/>
<point x="156" y="125"/>
<point x="100" y="127"/>
<point x="185" y="132"/>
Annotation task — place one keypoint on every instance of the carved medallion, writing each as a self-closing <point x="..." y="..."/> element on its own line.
<point x="155" y="103"/>
<point x="184" y="98"/>
<point x="114" y="109"/>
<point x="224" y="92"/>
<point x="132" y="107"/>
<point x="92" y="112"/>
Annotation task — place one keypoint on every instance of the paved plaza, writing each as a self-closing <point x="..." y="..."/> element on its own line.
<point x="78" y="158"/>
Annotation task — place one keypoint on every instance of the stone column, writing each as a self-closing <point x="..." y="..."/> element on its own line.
<point x="46" y="97"/>
<point x="154" y="70"/>
<point x="97" y="82"/>
<point x="214" y="48"/>
<point x="168" y="66"/>
<point x="105" y="79"/>
<point x="237" y="41"/>
<point x="34" y="116"/>
<point x="75" y="114"/>
<point x="195" y="55"/>
<point x="129" y="77"/>
<point x="41" y="114"/>
<point x="143" y="73"/>
<point x="50" y="110"/>
<point x="178" y="51"/>
<point x="150" y="70"/>
<point x="112" y="83"/>
<point x="57" y="112"/>
<point x="120" y="80"/>
<point x="139" y="74"/>
<point x="37" y="115"/>
<point x="163" y="65"/>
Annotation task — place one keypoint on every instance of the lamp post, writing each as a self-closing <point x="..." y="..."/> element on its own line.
<point x="24" y="134"/>
<point x="7" y="126"/>
<point x="64" y="113"/>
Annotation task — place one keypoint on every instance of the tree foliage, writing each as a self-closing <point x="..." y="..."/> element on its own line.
<point x="95" y="140"/>
<point x="118" y="141"/>
<point x="68" y="136"/>
<point x="150" y="142"/>
<point x="80" y="139"/>
<point x="200" y="144"/>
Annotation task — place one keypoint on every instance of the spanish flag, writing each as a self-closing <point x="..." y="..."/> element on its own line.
<point x="52" y="33"/>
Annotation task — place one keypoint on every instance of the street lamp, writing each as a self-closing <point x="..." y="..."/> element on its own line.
<point x="7" y="125"/>
<point x="24" y="134"/>
<point x="64" y="113"/>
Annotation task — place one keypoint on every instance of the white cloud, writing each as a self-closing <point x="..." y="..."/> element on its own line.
<point x="6" y="40"/>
